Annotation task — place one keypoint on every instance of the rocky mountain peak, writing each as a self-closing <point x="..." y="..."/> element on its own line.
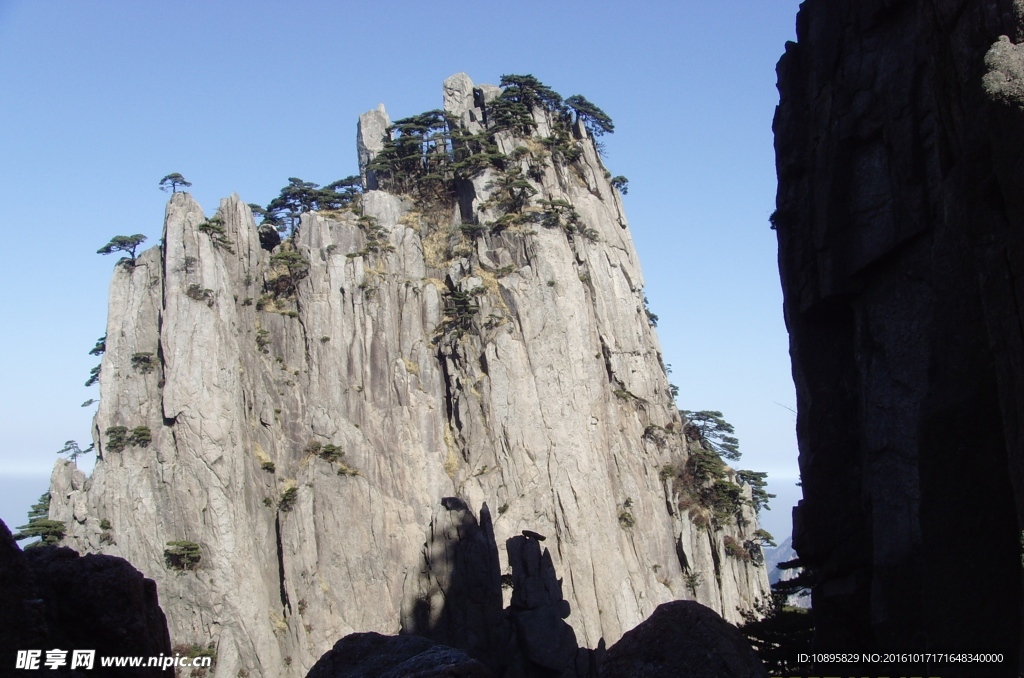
<point x="334" y="433"/>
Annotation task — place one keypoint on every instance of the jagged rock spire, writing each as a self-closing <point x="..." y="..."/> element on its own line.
<point x="370" y="141"/>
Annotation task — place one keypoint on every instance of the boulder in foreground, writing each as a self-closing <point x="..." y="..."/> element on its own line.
<point x="682" y="638"/>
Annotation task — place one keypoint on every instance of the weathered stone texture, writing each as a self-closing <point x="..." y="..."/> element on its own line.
<point x="900" y="219"/>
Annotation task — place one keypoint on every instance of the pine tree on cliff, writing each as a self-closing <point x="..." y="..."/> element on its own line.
<point x="39" y="524"/>
<point x="123" y="243"/>
<point x="594" y="119"/>
<point x="713" y="432"/>
<point x="173" y="181"/>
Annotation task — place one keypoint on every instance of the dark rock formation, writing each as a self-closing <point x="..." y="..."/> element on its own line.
<point x="538" y="611"/>
<point x="371" y="655"/>
<point x="99" y="602"/>
<point x="22" y="617"/>
<point x="900" y="220"/>
<point x="269" y="237"/>
<point x="683" y="638"/>
<point x="53" y="598"/>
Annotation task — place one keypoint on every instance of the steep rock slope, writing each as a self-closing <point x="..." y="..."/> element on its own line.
<point x="305" y="427"/>
<point x="901" y="249"/>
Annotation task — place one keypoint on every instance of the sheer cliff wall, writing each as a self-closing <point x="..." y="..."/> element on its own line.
<point x="544" y="400"/>
<point x="900" y="220"/>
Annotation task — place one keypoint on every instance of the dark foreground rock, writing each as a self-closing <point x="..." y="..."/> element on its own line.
<point x="682" y="638"/>
<point x="52" y="598"/>
<point x="371" y="655"/>
<point x="900" y="218"/>
<point x="22" y="617"/>
<point x="99" y="602"/>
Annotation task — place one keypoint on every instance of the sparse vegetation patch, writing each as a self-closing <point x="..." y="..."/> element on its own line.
<point x="182" y="555"/>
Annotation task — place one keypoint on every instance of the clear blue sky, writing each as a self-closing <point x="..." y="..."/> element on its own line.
<point x="102" y="99"/>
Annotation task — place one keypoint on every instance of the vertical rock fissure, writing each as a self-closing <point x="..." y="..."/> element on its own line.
<point x="161" y="310"/>
<point x="606" y="354"/>
<point x="716" y="559"/>
<point x="160" y="326"/>
<point x="684" y="562"/>
<point x="452" y="388"/>
<point x="280" y="564"/>
<point x="442" y="361"/>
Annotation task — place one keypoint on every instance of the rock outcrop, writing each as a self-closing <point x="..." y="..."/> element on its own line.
<point x="371" y="655"/>
<point x="51" y="598"/>
<point x="682" y="638"/>
<point x="900" y="221"/>
<point x="300" y="423"/>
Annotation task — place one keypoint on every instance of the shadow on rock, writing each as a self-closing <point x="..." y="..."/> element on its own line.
<point x="456" y="602"/>
<point x="460" y="599"/>
<point x="538" y="612"/>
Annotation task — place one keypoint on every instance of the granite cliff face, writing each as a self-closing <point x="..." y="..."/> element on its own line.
<point x="312" y="443"/>
<point x="901" y="246"/>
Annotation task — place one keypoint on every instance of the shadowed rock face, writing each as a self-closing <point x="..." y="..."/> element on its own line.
<point x="461" y="603"/>
<point x="530" y="637"/>
<point x="900" y="219"/>
<point x="99" y="602"/>
<point x="52" y="598"/>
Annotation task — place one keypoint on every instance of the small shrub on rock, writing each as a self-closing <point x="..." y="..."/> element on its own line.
<point x="288" y="498"/>
<point x="182" y="555"/>
<point x="734" y="548"/>
<point x="140" y="436"/>
<point x="331" y="452"/>
<point x="144" y="362"/>
<point x="263" y="340"/>
<point x="117" y="438"/>
<point x="218" y="235"/>
<point x="626" y="519"/>
<point x="199" y="293"/>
